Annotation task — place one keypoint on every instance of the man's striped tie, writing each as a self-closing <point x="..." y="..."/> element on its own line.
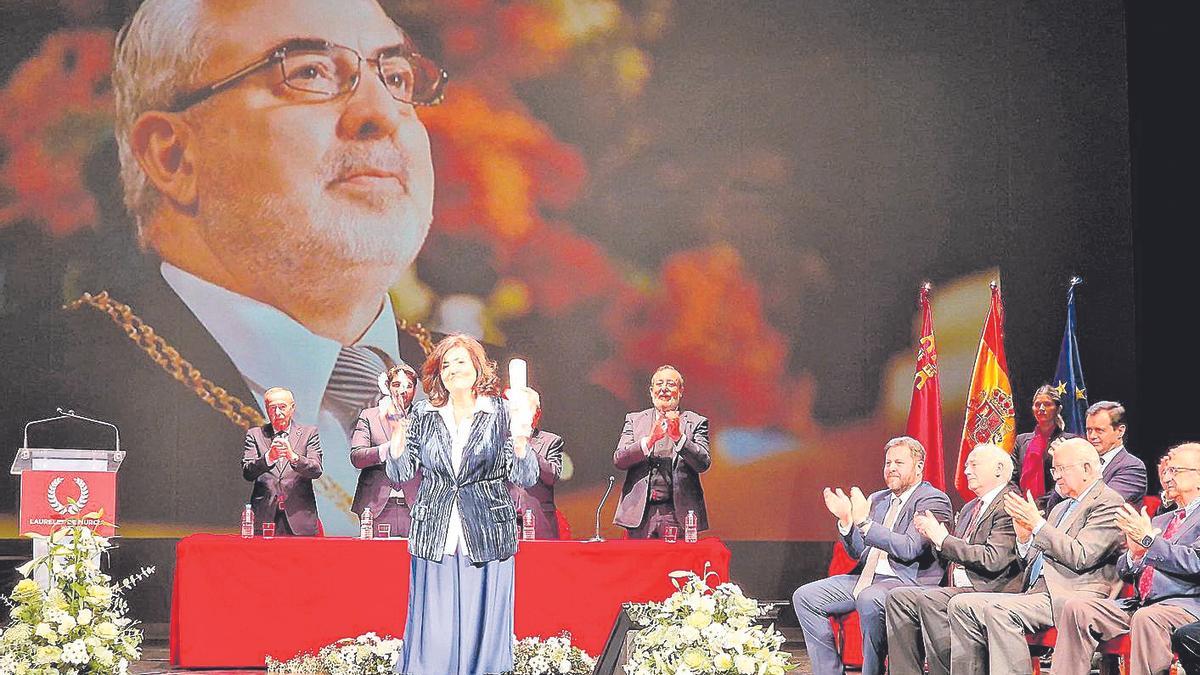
<point x="354" y="383"/>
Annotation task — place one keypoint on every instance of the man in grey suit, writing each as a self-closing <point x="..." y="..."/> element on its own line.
<point x="374" y="432"/>
<point x="1121" y="470"/>
<point x="1070" y="554"/>
<point x="1164" y="563"/>
<point x="663" y="451"/>
<point x="880" y="532"/>
<point x="981" y="555"/>
<point x="539" y="497"/>
<point x="282" y="459"/>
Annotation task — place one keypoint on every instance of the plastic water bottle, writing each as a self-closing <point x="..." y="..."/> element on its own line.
<point x="366" y="525"/>
<point x="247" y="522"/>
<point x="527" y="525"/>
<point x="689" y="527"/>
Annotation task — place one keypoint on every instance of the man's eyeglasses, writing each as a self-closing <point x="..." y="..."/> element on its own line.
<point x="1057" y="471"/>
<point x="327" y="70"/>
<point x="1171" y="471"/>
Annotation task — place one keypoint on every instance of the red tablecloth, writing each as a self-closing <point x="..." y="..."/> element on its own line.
<point x="238" y="600"/>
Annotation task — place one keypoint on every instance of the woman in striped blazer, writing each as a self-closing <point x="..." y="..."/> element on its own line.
<point x="469" y="444"/>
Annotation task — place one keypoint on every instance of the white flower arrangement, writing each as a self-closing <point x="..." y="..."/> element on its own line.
<point x="701" y="630"/>
<point x="552" y="656"/>
<point x="367" y="654"/>
<point x="77" y="626"/>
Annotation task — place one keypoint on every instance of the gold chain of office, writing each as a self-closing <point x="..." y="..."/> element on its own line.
<point x="172" y="362"/>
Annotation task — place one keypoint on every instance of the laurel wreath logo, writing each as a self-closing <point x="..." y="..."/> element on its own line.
<point x="70" y="509"/>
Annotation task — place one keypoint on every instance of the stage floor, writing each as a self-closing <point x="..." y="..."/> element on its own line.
<point x="155" y="662"/>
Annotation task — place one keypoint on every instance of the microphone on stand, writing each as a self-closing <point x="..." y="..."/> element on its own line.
<point x="600" y="508"/>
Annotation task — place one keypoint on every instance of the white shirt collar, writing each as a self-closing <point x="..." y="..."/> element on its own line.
<point x="482" y="404"/>
<point x="1108" y="456"/>
<point x="270" y="348"/>
<point x="990" y="496"/>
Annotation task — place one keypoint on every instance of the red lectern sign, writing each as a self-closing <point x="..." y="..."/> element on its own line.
<point x="51" y="499"/>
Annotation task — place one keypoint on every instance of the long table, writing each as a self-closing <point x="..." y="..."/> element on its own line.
<point x="236" y="600"/>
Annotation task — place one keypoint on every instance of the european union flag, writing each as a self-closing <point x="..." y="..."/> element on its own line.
<point x="1068" y="379"/>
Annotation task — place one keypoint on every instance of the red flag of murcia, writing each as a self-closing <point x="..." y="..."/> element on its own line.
<point x="925" y="408"/>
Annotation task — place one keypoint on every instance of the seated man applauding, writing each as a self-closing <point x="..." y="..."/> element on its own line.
<point x="881" y="533"/>
<point x="1071" y="553"/>
<point x="981" y="554"/>
<point x="1163" y="562"/>
<point x="282" y="460"/>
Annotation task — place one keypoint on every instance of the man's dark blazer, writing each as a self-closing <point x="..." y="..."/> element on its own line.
<point x="910" y="554"/>
<point x="371" y="431"/>
<point x="1126" y="474"/>
<point x="293" y="480"/>
<point x="689" y="461"/>
<point x="1022" y="446"/>
<point x="989" y="556"/>
<point x="539" y="497"/>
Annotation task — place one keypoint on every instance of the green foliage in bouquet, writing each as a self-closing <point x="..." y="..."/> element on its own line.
<point x="552" y="656"/>
<point x="704" y="630"/>
<point x="80" y="624"/>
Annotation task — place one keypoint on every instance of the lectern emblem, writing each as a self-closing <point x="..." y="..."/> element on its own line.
<point x="71" y="508"/>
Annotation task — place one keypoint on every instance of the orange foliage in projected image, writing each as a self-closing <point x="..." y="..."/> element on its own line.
<point x="54" y="110"/>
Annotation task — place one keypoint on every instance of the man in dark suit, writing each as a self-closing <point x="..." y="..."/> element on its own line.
<point x="1164" y="564"/>
<point x="981" y="556"/>
<point x="663" y="451"/>
<point x="282" y="459"/>
<point x="539" y="497"/>
<point x="1071" y="553"/>
<point x="375" y="431"/>
<point x="1121" y="471"/>
<point x="881" y="533"/>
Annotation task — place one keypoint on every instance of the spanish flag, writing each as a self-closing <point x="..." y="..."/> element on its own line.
<point x="989" y="417"/>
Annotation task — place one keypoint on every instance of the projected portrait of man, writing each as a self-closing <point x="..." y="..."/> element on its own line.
<point x="272" y="159"/>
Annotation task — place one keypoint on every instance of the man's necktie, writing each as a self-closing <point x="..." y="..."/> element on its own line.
<point x="354" y="383"/>
<point x="868" y="574"/>
<point x="1035" y="567"/>
<point x="972" y="527"/>
<point x="1147" y="578"/>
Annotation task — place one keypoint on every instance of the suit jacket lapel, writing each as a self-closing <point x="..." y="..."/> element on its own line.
<point x="1093" y="494"/>
<point x="1189" y="523"/>
<point x="967" y="517"/>
<point x="991" y="508"/>
<point x="642" y="424"/>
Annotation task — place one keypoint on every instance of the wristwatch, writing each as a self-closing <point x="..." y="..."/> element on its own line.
<point x="1147" y="540"/>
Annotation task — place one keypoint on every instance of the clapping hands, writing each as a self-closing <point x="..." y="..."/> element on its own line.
<point x="930" y="528"/>
<point x="1025" y="514"/>
<point x="849" y="509"/>
<point x="1136" y="526"/>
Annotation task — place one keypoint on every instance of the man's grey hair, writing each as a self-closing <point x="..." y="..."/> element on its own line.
<point x="158" y="56"/>
<point x="914" y="446"/>
<point x="994" y="453"/>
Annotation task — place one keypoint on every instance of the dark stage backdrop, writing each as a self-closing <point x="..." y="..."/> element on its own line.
<point x="749" y="190"/>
